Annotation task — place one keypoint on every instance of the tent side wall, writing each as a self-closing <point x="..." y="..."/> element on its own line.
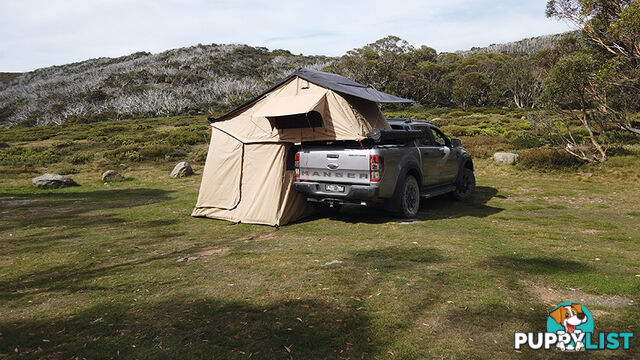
<point x="264" y="192"/>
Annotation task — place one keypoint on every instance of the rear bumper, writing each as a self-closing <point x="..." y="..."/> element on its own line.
<point x="351" y="192"/>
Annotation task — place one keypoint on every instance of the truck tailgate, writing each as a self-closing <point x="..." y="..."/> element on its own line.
<point x="337" y="166"/>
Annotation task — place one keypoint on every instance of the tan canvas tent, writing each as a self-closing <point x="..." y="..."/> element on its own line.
<point x="248" y="175"/>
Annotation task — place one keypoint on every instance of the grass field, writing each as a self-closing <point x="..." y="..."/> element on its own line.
<point x="93" y="272"/>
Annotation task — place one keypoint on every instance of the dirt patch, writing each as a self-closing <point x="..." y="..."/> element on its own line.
<point x="591" y="231"/>
<point x="261" y="237"/>
<point x="213" y="251"/>
<point x="22" y="202"/>
<point x="556" y="296"/>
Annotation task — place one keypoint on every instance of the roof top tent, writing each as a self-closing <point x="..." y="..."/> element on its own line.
<point x="248" y="175"/>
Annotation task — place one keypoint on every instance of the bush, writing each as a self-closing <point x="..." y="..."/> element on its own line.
<point x="485" y="146"/>
<point x="454" y="130"/>
<point x="63" y="144"/>
<point x="544" y="158"/>
<point x="526" y="141"/>
<point x="123" y="153"/>
<point x="185" y="137"/>
<point x="200" y="156"/>
<point x="28" y="156"/>
<point x="80" y="158"/>
<point x="156" y="152"/>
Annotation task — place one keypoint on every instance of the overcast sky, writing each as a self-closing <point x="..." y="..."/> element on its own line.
<point x="39" y="33"/>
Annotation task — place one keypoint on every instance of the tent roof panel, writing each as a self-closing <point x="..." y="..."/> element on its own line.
<point x="291" y="105"/>
<point x="343" y="85"/>
<point x="330" y="81"/>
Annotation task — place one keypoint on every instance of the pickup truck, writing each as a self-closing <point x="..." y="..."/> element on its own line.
<point x="396" y="173"/>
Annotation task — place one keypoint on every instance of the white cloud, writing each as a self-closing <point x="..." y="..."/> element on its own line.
<point x="37" y="33"/>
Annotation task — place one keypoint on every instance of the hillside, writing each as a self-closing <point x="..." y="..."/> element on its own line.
<point x="7" y="77"/>
<point x="527" y="46"/>
<point x="191" y="80"/>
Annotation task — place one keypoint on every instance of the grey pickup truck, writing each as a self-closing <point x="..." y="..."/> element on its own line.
<point x="395" y="167"/>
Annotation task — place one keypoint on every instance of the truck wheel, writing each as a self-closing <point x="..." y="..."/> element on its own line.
<point x="409" y="198"/>
<point x="465" y="185"/>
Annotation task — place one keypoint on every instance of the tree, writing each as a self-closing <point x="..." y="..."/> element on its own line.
<point x="518" y="80"/>
<point x="471" y="89"/>
<point x="614" y="27"/>
<point x="566" y="88"/>
<point x="377" y="64"/>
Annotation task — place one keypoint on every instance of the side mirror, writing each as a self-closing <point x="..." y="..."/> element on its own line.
<point x="456" y="143"/>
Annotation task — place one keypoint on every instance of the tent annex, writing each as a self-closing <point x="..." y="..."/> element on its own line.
<point x="248" y="175"/>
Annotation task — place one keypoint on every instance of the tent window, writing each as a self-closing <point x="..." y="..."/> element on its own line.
<point x="311" y="119"/>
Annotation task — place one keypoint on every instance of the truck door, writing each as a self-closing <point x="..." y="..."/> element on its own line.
<point x="447" y="158"/>
<point x="429" y="154"/>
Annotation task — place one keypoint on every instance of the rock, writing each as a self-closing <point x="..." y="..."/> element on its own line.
<point x="181" y="169"/>
<point x="188" y="259"/>
<point x="111" y="175"/>
<point x="53" y="181"/>
<point x="436" y="119"/>
<point x="506" y="158"/>
<point x="523" y="118"/>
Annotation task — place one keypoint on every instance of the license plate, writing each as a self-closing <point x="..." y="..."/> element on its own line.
<point x="334" y="188"/>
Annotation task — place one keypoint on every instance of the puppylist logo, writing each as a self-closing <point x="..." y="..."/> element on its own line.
<point x="570" y="328"/>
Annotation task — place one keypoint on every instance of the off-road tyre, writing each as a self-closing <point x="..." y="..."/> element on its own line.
<point x="409" y="201"/>
<point x="465" y="185"/>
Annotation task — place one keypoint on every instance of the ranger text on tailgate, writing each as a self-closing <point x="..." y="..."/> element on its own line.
<point x="396" y="167"/>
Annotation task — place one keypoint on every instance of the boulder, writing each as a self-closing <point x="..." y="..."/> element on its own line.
<point x="111" y="175"/>
<point x="181" y="169"/>
<point x="505" y="158"/>
<point x="53" y="181"/>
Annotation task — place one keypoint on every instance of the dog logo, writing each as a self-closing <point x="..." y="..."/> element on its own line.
<point x="570" y="328"/>
<point x="572" y="319"/>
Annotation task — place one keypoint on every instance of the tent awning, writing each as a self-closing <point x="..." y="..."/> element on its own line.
<point x="291" y="105"/>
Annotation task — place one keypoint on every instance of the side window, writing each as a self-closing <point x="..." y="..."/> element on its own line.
<point x="440" y="138"/>
<point x="426" y="140"/>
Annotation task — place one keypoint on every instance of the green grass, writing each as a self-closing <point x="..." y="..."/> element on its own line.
<point x="92" y="272"/>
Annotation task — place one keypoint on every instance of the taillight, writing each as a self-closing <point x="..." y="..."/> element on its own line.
<point x="376" y="167"/>
<point x="297" y="164"/>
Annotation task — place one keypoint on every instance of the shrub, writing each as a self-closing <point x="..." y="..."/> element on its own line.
<point x="485" y="146"/>
<point x="526" y="141"/>
<point x="28" y="156"/>
<point x="123" y="153"/>
<point x="80" y="158"/>
<point x="63" y="144"/>
<point x="455" y="130"/>
<point x="185" y="137"/>
<point x="156" y="151"/>
<point x="459" y="113"/>
<point x="200" y="156"/>
<point x="544" y="158"/>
